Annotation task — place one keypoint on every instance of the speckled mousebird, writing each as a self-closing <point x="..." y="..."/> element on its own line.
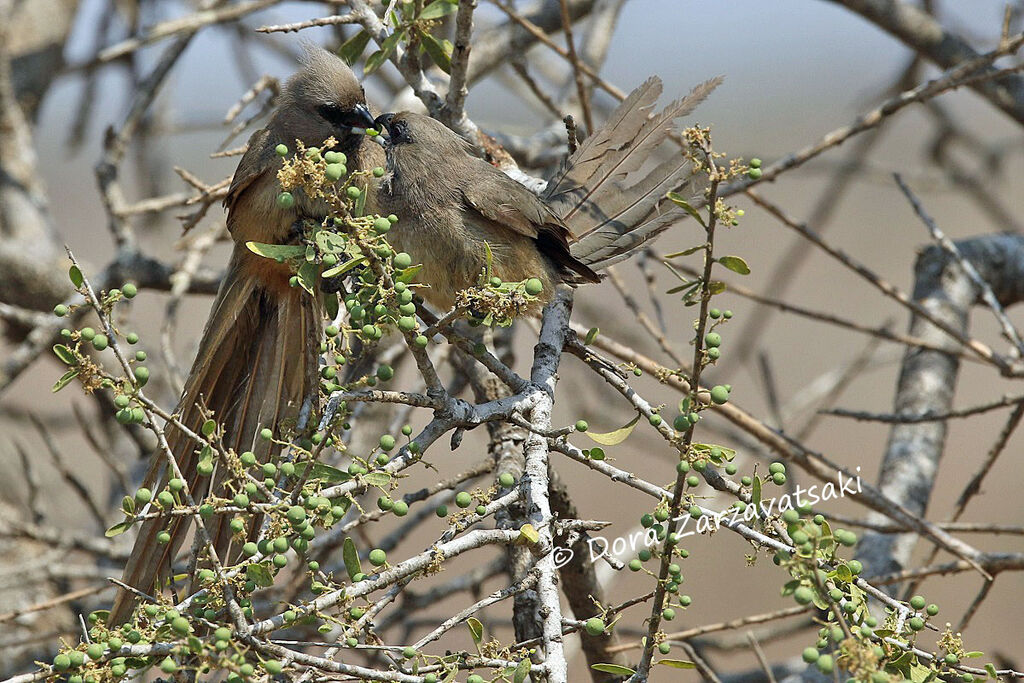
<point x="602" y="206"/>
<point x="257" y="359"/>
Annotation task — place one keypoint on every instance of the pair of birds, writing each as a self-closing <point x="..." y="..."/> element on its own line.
<point x="258" y="357"/>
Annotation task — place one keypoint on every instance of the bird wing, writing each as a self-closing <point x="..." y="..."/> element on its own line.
<point x="254" y="164"/>
<point x="501" y="200"/>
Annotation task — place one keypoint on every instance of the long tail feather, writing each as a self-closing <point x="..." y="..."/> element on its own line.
<point x="256" y="364"/>
<point x="609" y="216"/>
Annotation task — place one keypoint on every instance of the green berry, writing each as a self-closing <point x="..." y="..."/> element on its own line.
<point x="825" y="664"/>
<point x="719" y="394"/>
<point x="755" y="163"/>
<point x="421" y="341"/>
<point x="664" y="648"/>
<point x="655" y="420"/>
<point x="401" y="508"/>
<point x="180" y="625"/>
<point x="387" y="442"/>
<point x="712" y="340"/>
<point x="62" y="662"/>
<point x="668" y="614"/>
<point x="803" y="595"/>
<point x="441" y="511"/>
<point x="754" y="174"/>
<point x="932" y="610"/>
<point x="381" y="225"/>
<point x="378" y="557"/>
<point x="241" y="500"/>
<point x="143" y="496"/>
<point x="917" y="602"/>
<point x="534" y="286"/>
<point x="463" y="499"/>
<point x="285" y="200"/>
<point x="60" y="310"/>
<point x="132" y="338"/>
<point x="282" y="150"/>
<point x="810" y="655"/>
<point x="409" y="652"/>
<point x="402" y="260"/>
<point x="779" y="478"/>
<point x="916" y="623"/>
<point x="635" y="565"/>
<point x="595" y="626"/>
<point x="141" y="375"/>
<point x="582" y="426"/>
<point x="335" y="171"/>
<point x="87" y="333"/>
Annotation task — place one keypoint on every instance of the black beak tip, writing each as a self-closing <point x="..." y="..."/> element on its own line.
<point x="383" y="122"/>
<point x="363" y="112"/>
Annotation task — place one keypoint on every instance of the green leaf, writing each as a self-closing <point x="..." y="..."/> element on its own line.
<point x="76" y="276"/>
<point x="613" y="669"/>
<point x="678" y="200"/>
<point x="686" y="252"/>
<point x="615" y="437"/>
<point x="438" y="9"/>
<point x="331" y="475"/>
<point x="350" y="555"/>
<point x="409" y="274"/>
<point x="331" y="305"/>
<point x="331" y="242"/>
<point x="755" y="492"/>
<point x="380" y="479"/>
<point x="844" y="574"/>
<point x="686" y="286"/>
<point x="259" y="574"/>
<point x="119" y="528"/>
<point x="476" y="629"/>
<point x="592" y="335"/>
<point x="716" y="287"/>
<point x="343" y="268"/>
<point x="352" y="49"/>
<point x="974" y="654"/>
<point x="128" y="505"/>
<point x="522" y="671"/>
<point x="440" y="51"/>
<point x="206" y="455"/>
<point x="64" y="380"/>
<point x="276" y="251"/>
<point x="307" y="275"/>
<point x="65" y="354"/>
<point x="677" y="663"/>
<point x="735" y="264"/>
<point x="991" y="669"/>
<point x="377" y="59"/>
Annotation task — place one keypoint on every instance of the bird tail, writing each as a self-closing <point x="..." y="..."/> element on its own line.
<point x="611" y="204"/>
<point x="256" y="365"/>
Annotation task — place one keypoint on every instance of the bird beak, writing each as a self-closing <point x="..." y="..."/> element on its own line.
<point x="364" y="115"/>
<point x="383" y="124"/>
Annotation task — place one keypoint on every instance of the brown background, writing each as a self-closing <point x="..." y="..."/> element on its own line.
<point x="795" y="70"/>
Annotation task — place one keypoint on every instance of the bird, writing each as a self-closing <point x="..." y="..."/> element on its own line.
<point x="257" y="358"/>
<point x="457" y="212"/>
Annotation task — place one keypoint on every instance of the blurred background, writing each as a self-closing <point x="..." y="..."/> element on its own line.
<point x="794" y="70"/>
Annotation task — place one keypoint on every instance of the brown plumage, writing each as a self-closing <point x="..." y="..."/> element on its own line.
<point x="257" y="360"/>
<point x="601" y="206"/>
